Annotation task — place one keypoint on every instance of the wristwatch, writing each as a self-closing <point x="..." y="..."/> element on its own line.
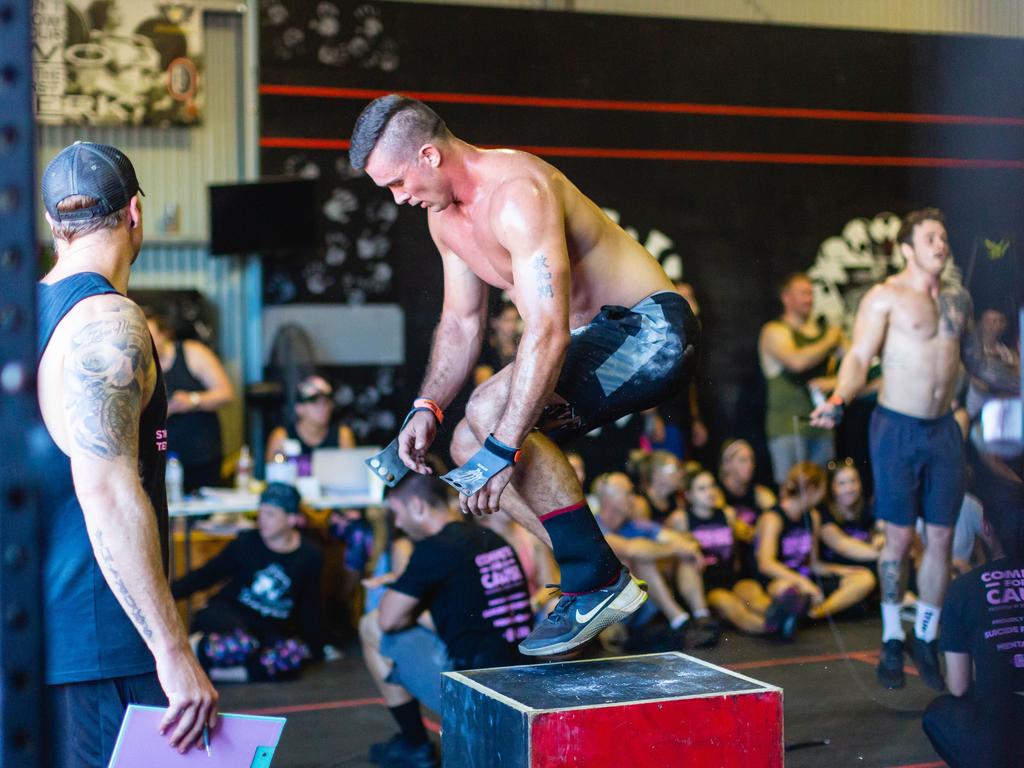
<point x="193" y="399"/>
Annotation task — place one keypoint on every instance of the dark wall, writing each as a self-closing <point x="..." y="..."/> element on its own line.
<point x="756" y="193"/>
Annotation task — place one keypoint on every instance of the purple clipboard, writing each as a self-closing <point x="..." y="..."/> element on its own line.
<point x="239" y="741"/>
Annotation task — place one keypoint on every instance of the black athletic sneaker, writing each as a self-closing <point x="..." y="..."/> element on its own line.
<point x="701" y="633"/>
<point x="890" y="665"/>
<point x="396" y="752"/>
<point x="578" y="618"/>
<point x="783" y="615"/>
<point x="926" y="659"/>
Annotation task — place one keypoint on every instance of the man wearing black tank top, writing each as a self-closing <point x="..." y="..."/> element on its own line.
<point x="113" y="635"/>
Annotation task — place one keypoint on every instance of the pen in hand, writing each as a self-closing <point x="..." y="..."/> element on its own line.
<point x="206" y="739"/>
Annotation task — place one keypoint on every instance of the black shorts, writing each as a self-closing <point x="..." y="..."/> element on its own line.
<point x="918" y="468"/>
<point x="622" y="362"/>
<point x="86" y="717"/>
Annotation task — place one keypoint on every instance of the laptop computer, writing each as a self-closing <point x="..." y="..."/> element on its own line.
<point x="343" y="472"/>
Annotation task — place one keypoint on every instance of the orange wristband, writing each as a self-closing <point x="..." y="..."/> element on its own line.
<point x="430" y="405"/>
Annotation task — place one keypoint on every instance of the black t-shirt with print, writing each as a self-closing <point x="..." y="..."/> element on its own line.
<point x="277" y="592"/>
<point x="983" y="615"/>
<point x="470" y="580"/>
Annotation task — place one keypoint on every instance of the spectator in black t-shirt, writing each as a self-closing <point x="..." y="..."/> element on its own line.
<point x="265" y="621"/>
<point x="460" y="603"/>
<point x="978" y="723"/>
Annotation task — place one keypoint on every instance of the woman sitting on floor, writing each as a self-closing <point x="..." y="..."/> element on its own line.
<point x="659" y="476"/>
<point x="787" y="542"/>
<point x="741" y="601"/>
<point x="848" y="530"/>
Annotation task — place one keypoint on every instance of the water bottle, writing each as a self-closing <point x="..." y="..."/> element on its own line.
<point x="174" y="478"/>
<point x="243" y="474"/>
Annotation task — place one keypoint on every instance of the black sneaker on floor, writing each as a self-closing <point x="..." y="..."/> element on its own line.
<point x="396" y="752"/>
<point x="578" y="618"/>
<point x="701" y="633"/>
<point x="783" y="615"/>
<point x="890" y="665"/>
<point x="926" y="659"/>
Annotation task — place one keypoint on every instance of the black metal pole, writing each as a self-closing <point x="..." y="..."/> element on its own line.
<point x="21" y="657"/>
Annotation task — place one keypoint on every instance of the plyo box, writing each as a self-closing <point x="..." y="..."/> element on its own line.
<point x="653" y="711"/>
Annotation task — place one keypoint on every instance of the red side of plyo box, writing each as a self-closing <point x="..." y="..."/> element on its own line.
<point x="728" y="731"/>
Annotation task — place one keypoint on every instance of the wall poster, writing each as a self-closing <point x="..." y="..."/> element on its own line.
<point x="117" y="62"/>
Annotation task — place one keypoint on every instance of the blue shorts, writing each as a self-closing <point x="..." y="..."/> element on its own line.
<point x="623" y="361"/>
<point x="419" y="657"/>
<point x="918" y="468"/>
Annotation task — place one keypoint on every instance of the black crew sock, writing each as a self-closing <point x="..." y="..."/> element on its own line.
<point x="410" y="723"/>
<point x="586" y="561"/>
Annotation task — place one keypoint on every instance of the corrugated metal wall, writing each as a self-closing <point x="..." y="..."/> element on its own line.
<point x="174" y="165"/>
<point x="1004" y="18"/>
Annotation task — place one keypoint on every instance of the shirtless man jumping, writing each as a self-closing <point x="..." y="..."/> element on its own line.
<point x="605" y="335"/>
<point x="922" y="327"/>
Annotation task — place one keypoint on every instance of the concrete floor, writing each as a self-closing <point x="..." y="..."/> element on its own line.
<point x="827" y="675"/>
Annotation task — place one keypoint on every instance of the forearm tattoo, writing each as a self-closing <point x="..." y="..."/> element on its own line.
<point x="103" y="375"/>
<point x="542" y="271"/>
<point x="890" y="574"/>
<point x="136" y="613"/>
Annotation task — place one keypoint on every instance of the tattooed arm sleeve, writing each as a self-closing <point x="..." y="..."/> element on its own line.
<point x="106" y="366"/>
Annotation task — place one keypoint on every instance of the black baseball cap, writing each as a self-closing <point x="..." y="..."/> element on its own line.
<point x="281" y="495"/>
<point x="94" y="170"/>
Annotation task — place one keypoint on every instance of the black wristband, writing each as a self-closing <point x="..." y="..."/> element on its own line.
<point x="499" y="449"/>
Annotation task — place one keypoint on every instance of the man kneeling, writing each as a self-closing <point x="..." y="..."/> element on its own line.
<point x="461" y="603"/>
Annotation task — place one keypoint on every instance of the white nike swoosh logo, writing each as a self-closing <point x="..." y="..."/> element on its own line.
<point x="583" y="618"/>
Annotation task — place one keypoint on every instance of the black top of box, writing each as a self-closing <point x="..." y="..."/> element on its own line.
<point x="610" y="681"/>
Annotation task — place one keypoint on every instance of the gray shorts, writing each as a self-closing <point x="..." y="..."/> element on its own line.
<point x="624" y="361"/>
<point x="419" y="657"/>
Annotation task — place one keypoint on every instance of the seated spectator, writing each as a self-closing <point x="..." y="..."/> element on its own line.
<point x="265" y="621"/>
<point x="787" y="541"/>
<point x="500" y="347"/>
<point x="660" y="477"/>
<point x="460" y="603"/>
<point x="978" y="723"/>
<point x="848" y="529"/>
<point x="311" y="424"/>
<point x="741" y="601"/>
<point x="641" y="545"/>
<point x="736" y="474"/>
<point x="748" y="499"/>
<point x="314" y="427"/>
<point x="536" y="558"/>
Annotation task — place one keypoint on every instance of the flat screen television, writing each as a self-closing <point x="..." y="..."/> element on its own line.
<point x="268" y="217"/>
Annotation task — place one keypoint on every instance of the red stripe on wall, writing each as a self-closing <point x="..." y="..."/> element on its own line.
<point x="685" y="108"/>
<point x="688" y="155"/>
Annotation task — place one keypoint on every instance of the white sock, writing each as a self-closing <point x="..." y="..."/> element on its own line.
<point x="679" y="620"/>
<point x="892" y="628"/>
<point x="926" y="626"/>
<point x="703" y="613"/>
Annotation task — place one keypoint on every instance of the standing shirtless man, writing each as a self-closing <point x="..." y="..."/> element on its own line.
<point x="604" y="335"/>
<point x="922" y="327"/>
